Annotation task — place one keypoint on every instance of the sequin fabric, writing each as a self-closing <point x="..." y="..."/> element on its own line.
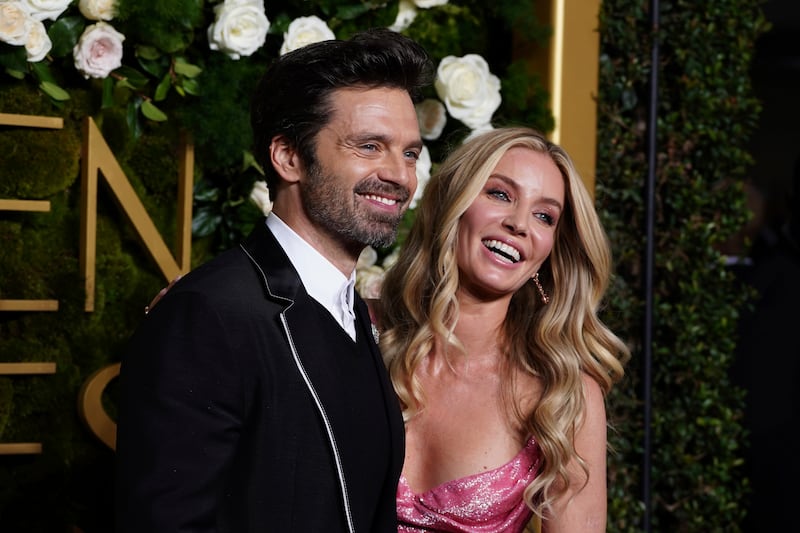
<point x="487" y="502"/>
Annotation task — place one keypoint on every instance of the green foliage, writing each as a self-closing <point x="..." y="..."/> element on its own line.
<point x="706" y="113"/>
<point x="35" y="164"/>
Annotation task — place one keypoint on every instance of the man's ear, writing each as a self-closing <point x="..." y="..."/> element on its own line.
<point x="284" y="159"/>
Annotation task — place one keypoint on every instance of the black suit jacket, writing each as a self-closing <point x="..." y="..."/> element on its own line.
<point x="224" y="425"/>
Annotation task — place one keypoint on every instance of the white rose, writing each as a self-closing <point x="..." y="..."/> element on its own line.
<point x="303" y="31"/>
<point x="240" y="27"/>
<point x="483" y="128"/>
<point x="432" y="118"/>
<point x="260" y="196"/>
<point x="46" y="9"/>
<point x="369" y="281"/>
<point x="38" y="44"/>
<point x="15" y="23"/>
<point x="98" y="51"/>
<point x="391" y="259"/>
<point x="406" y="13"/>
<point x="425" y="4"/>
<point x="470" y="92"/>
<point x="423" y="175"/>
<point x="367" y="258"/>
<point x="98" y="9"/>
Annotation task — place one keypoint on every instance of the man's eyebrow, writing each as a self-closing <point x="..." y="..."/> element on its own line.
<point x="383" y="139"/>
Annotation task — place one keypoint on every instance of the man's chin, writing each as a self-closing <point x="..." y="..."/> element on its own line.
<point x="383" y="237"/>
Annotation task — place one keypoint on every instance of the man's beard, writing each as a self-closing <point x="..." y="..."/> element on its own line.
<point x="330" y="205"/>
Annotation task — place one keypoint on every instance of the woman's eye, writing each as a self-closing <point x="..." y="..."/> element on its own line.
<point x="497" y="193"/>
<point x="548" y="219"/>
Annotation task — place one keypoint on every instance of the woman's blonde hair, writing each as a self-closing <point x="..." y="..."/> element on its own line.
<point x="557" y="342"/>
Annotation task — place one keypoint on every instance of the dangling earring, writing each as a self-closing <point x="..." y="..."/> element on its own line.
<point x="545" y="297"/>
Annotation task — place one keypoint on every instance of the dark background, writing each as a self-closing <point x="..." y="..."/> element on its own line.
<point x="768" y="350"/>
<point x="776" y="79"/>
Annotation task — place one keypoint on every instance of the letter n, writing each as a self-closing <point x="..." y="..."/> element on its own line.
<point x="97" y="158"/>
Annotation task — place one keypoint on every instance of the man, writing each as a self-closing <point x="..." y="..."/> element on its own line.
<point x="253" y="396"/>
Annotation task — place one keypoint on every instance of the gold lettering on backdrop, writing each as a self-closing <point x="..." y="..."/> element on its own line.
<point x="41" y="206"/>
<point x="90" y="405"/>
<point x="31" y="121"/>
<point x="97" y="158"/>
<point x="17" y="369"/>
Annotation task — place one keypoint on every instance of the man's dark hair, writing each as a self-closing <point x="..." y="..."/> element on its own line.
<point x="293" y="97"/>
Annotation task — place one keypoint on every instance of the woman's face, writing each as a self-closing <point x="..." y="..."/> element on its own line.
<point x="508" y="231"/>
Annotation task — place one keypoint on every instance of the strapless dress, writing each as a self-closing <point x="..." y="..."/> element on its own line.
<point x="486" y="502"/>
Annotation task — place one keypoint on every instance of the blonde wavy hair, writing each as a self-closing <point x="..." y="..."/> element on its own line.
<point x="557" y="342"/>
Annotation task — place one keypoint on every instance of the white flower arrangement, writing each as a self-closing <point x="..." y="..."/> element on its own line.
<point x="432" y="118"/>
<point x="240" y="27"/>
<point x="38" y="43"/>
<point x="369" y="274"/>
<point x="21" y="25"/>
<point x="303" y="31"/>
<point x="15" y="23"/>
<point x="259" y="195"/>
<point x="98" y="9"/>
<point x="470" y="92"/>
<point x="45" y="9"/>
<point x="427" y="4"/>
<point x="424" y="165"/>
<point x="406" y="13"/>
<point x="99" y="50"/>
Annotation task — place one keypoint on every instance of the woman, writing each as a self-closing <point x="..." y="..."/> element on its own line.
<point x="492" y="341"/>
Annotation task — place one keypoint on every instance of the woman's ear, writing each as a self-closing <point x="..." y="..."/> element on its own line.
<point x="284" y="159"/>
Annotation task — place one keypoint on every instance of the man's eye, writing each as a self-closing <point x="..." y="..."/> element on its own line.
<point x="370" y="147"/>
<point x="412" y="155"/>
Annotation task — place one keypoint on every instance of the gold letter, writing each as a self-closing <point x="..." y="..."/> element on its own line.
<point x="97" y="156"/>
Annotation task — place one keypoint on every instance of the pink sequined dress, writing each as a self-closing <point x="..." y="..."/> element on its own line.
<point x="488" y="502"/>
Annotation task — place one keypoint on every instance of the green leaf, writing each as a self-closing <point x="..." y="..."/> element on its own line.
<point x="132" y="118"/>
<point x="64" y="34"/>
<point x="136" y="79"/>
<point x="125" y="84"/>
<point x="14" y="58"/>
<point x="249" y="161"/>
<point x="41" y="70"/>
<point x="54" y="91"/>
<point x="191" y="87"/>
<point x="15" y="74"/>
<point x="150" y="111"/>
<point x="351" y="12"/>
<point x="187" y="69"/>
<point x="163" y="88"/>
<point x="155" y="67"/>
<point x="108" y="93"/>
<point x="148" y="52"/>
<point x="205" y="222"/>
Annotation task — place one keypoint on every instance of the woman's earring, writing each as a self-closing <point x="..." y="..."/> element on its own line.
<point x="545" y="297"/>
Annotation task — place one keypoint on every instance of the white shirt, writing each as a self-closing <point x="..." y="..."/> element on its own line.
<point x="323" y="281"/>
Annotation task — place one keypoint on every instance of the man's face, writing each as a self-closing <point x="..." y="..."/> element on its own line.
<point x="365" y="171"/>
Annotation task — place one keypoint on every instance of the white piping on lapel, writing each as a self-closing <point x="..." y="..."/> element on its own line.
<point x="328" y="427"/>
